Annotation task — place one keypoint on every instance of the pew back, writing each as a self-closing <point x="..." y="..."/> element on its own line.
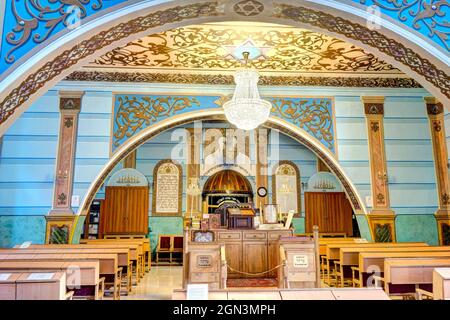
<point x="441" y="284"/>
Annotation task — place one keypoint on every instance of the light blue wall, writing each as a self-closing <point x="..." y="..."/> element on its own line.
<point x="27" y="159"/>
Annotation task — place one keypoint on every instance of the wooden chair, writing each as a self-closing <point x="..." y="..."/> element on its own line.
<point x="164" y="247"/>
<point x="176" y="254"/>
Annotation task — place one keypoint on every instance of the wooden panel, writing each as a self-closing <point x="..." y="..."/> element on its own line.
<point x="331" y="211"/>
<point x="273" y="258"/>
<point x="233" y="252"/>
<point x="125" y="210"/>
<point x="229" y="235"/>
<point x="255" y="257"/>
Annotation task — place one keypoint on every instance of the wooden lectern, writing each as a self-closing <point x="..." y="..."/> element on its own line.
<point x="299" y="257"/>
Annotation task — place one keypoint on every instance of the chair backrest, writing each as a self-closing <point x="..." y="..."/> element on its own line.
<point x="164" y="242"/>
<point x="178" y="242"/>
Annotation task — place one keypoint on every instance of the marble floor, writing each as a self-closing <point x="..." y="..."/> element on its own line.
<point x="157" y="284"/>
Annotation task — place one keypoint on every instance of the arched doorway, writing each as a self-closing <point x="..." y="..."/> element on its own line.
<point x="226" y="189"/>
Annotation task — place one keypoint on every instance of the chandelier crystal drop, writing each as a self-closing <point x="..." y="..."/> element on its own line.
<point x="246" y="110"/>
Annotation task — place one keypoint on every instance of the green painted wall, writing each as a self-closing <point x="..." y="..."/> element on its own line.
<point x="363" y="225"/>
<point x="18" y="229"/>
<point x="416" y="228"/>
<point x="163" y="225"/>
<point x="299" y="225"/>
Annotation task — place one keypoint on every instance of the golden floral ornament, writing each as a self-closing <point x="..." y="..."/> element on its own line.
<point x="213" y="48"/>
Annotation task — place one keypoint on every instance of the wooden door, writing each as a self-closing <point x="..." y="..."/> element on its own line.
<point x="254" y="257"/>
<point x="330" y="211"/>
<point x="125" y="211"/>
<point x="233" y="253"/>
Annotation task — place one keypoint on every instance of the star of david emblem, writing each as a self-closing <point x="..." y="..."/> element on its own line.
<point x="248" y="8"/>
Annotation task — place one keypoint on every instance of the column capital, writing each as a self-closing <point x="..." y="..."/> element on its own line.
<point x="70" y="101"/>
<point x="434" y="107"/>
<point x="373" y="105"/>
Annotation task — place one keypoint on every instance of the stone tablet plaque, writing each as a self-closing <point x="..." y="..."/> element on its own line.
<point x="167" y="189"/>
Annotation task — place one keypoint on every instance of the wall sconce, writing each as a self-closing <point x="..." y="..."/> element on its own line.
<point x="304" y="185"/>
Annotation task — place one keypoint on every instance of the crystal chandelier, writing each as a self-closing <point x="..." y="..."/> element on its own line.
<point x="246" y="110"/>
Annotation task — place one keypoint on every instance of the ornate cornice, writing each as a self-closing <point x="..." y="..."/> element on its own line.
<point x="220" y="79"/>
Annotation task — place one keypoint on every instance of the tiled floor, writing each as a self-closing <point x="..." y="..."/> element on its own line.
<point x="158" y="284"/>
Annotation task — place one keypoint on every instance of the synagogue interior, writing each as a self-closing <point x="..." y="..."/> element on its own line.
<point x="234" y="151"/>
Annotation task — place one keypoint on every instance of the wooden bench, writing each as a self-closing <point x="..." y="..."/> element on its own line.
<point x="108" y="267"/>
<point x="291" y="294"/>
<point x="87" y="286"/>
<point x="170" y="245"/>
<point x="349" y="258"/>
<point x="323" y="242"/>
<point x="370" y="261"/>
<point x="404" y="276"/>
<point x="125" y="255"/>
<point x="333" y="253"/>
<point x="32" y="286"/>
<point x="145" y="242"/>
<point x="140" y="259"/>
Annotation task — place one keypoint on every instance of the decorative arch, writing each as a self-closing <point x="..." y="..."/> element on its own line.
<point x="217" y="114"/>
<point x="50" y="65"/>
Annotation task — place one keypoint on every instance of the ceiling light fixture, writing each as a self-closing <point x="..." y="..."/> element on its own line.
<point x="246" y="110"/>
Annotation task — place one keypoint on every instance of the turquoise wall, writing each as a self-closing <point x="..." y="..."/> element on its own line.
<point x="18" y="229"/>
<point x="27" y="158"/>
<point x="416" y="228"/>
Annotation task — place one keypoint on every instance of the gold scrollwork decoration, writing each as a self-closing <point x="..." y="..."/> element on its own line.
<point x="34" y="13"/>
<point x="422" y="14"/>
<point x="312" y="115"/>
<point x="407" y="56"/>
<point x="200" y="47"/>
<point x="51" y="69"/>
<point x="135" y="112"/>
<point x="221" y="79"/>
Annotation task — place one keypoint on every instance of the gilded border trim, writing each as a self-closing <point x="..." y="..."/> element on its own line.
<point x="221" y="79"/>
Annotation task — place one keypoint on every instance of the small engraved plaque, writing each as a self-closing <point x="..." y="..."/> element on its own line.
<point x="204" y="261"/>
<point x="300" y="261"/>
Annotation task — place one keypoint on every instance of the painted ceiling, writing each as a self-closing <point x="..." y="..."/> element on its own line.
<point x="208" y="49"/>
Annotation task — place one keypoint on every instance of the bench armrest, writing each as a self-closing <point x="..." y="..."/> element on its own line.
<point x="69" y="295"/>
<point x="101" y="287"/>
<point x="420" y="293"/>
